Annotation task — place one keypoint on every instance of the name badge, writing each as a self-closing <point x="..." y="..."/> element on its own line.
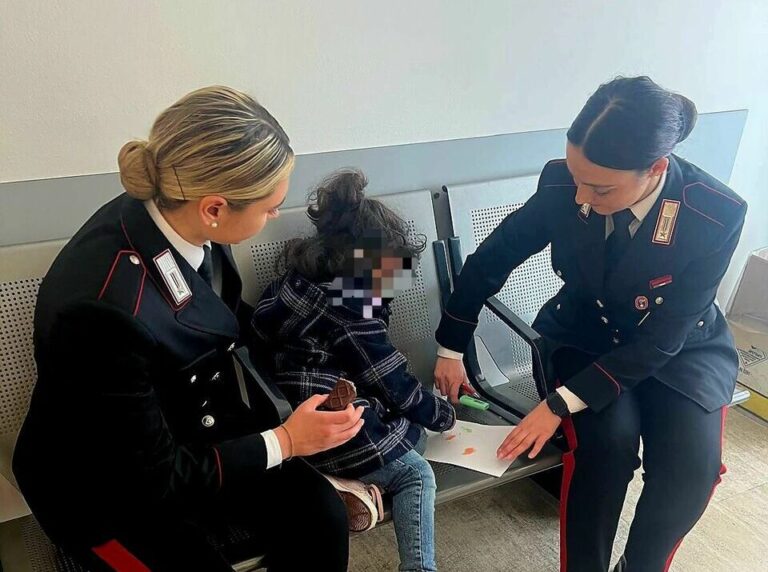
<point x="173" y="277"/>
<point x="665" y="225"/>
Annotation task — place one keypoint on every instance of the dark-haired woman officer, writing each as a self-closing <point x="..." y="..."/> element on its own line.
<point x="641" y="239"/>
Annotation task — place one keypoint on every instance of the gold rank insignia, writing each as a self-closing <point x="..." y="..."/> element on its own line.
<point x="665" y="225"/>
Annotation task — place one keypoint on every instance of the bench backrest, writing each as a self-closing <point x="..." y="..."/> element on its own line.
<point x="22" y="269"/>
<point x="476" y="210"/>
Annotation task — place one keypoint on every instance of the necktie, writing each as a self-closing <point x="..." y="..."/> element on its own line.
<point x="617" y="243"/>
<point x="206" y="268"/>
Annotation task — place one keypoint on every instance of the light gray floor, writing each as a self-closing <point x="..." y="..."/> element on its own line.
<point x="515" y="527"/>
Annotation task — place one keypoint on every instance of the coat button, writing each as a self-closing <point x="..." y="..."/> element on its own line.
<point x="700" y="324"/>
<point x="134" y="259"/>
<point x="558" y="306"/>
<point x="559" y="273"/>
<point x="193" y="379"/>
<point x="616" y="341"/>
<point x="659" y="301"/>
<point x="604" y="319"/>
<point x="208" y="421"/>
<point x="216" y="376"/>
<point x="231" y="347"/>
<point x="600" y="304"/>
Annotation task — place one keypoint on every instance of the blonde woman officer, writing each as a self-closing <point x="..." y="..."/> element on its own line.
<point x="138" y="442"/>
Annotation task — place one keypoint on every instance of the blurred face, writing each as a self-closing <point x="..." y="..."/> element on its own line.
<point x="236" y="225"/>
<point x="610" y="190"/>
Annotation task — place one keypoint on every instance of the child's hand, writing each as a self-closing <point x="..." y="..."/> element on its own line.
<point x="449" y="376"/>
<point x="309" y="431"/>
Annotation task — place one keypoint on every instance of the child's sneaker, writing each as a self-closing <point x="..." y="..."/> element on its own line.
<point x="364" y="505"/>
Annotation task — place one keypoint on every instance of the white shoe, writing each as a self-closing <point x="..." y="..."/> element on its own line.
<point x="364" y="505"/>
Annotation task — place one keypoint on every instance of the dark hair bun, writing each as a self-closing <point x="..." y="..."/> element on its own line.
<point x="688" y="116"/>
<point x="336" y="202"/>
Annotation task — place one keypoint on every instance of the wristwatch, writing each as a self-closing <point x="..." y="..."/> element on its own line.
<point x="557" y="404"/>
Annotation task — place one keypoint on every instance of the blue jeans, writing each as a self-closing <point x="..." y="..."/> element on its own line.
<point x="411" y="483"/>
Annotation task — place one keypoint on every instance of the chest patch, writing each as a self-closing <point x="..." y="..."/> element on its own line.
<point x="174" y="279"/>
<point x="665" y="224"/>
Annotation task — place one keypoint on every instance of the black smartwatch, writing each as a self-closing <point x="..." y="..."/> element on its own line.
<point x="557" y="404"/>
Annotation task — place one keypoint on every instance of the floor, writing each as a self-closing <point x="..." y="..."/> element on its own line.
<point x="515" y="527"/>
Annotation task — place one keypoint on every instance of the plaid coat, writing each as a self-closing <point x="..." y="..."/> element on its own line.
<point x="313" y="343"/>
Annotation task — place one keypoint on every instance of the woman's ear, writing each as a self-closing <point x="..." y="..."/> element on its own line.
<point x="659" y="167"/>
<point x="211" y="209"/>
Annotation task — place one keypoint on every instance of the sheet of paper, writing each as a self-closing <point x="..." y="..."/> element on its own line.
<point x="471" y="446"/>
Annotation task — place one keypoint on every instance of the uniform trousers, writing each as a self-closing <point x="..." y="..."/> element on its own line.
<point x="682" y="447"/>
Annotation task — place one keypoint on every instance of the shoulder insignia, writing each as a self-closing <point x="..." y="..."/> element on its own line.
<point x="715" y="206"/>
<point x="124" y="284"/>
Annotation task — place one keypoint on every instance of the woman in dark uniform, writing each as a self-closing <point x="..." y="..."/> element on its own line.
<point x="641" y="239"/>
<point x="141" y="438"/>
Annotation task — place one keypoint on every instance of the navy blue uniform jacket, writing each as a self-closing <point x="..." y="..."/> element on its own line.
<point x="652" y="316"/>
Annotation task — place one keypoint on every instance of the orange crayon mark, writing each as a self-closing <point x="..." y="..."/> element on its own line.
<point x="469" y="451"/>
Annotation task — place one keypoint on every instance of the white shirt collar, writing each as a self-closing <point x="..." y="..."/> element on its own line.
<point x="192" y="253"/>
<point x="642" y="208"/>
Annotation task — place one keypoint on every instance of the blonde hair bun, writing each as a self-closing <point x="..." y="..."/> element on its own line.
<point x="138" y="172"/>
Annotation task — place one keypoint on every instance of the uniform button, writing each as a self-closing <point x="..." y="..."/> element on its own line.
<point x="600" y="304"/>
<point x="558" y="306"/>
<point x="560" y="274"/>
<point x="701" y="323"/>
<point x="604" y="319"/>
<point x="231" y="347"/>
<point x="134" y="259"/>
<point x="208" y="421"/>
<point x="616" y="341"/>
<point x="659" y="301"/>
<point x="193" y="379"/>
<point x="216" y="376"/>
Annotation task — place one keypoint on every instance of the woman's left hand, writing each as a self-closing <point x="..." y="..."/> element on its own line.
<point x="534" y="431"/>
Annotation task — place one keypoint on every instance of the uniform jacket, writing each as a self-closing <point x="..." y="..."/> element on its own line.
<point x="136" y="404"/>
<point x="314" y="343"/>
<point x="654" y="315"/>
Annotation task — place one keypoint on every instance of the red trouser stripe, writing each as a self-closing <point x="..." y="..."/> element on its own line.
<point x="119" y="558"/>
<point x="569" y="465"/>
<point x="723" y="469"/>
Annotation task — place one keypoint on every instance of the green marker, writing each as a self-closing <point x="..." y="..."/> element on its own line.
<point x="468" y="401"/>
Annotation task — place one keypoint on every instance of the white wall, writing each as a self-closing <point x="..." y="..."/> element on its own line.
<point x="80" y="77"/>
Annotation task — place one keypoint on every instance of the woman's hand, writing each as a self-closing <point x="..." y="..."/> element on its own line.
<point x="534" y="431"/>
<point x="449" y="377"/>
<point x="308" y="431"/>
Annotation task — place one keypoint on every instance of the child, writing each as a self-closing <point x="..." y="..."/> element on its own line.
<point x="327" y="318"/>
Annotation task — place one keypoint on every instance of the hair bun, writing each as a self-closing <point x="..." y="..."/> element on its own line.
<point x="688" y="116"/>
<point x="336" y="201"/>
<point x="138" y="172"/>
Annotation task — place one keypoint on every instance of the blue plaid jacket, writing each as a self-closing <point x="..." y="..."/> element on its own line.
<point x="313" y="343"/>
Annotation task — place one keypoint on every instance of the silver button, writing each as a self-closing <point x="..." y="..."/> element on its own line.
<point x="558" y="306"/>
<point x="208" y="421"/>
<point x="231" y="347"/>
<point x="616" y="341"/>
<point x="193" y="379"/>
<point x="134" y="259"/>
<point x="600" y="304"/>
<point x="659" y="301"/>
<point x="560" y="274"/>
<point x="701" y="323"/>
<point x="216" y="376"/>
<point x="604" y="319"/>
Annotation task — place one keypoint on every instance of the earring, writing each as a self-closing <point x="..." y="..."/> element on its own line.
<point x="214" y="224"/>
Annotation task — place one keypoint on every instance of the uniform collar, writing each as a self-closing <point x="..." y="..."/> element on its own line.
<point x="641" y="208"/>
<point x="192" y="253"/>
